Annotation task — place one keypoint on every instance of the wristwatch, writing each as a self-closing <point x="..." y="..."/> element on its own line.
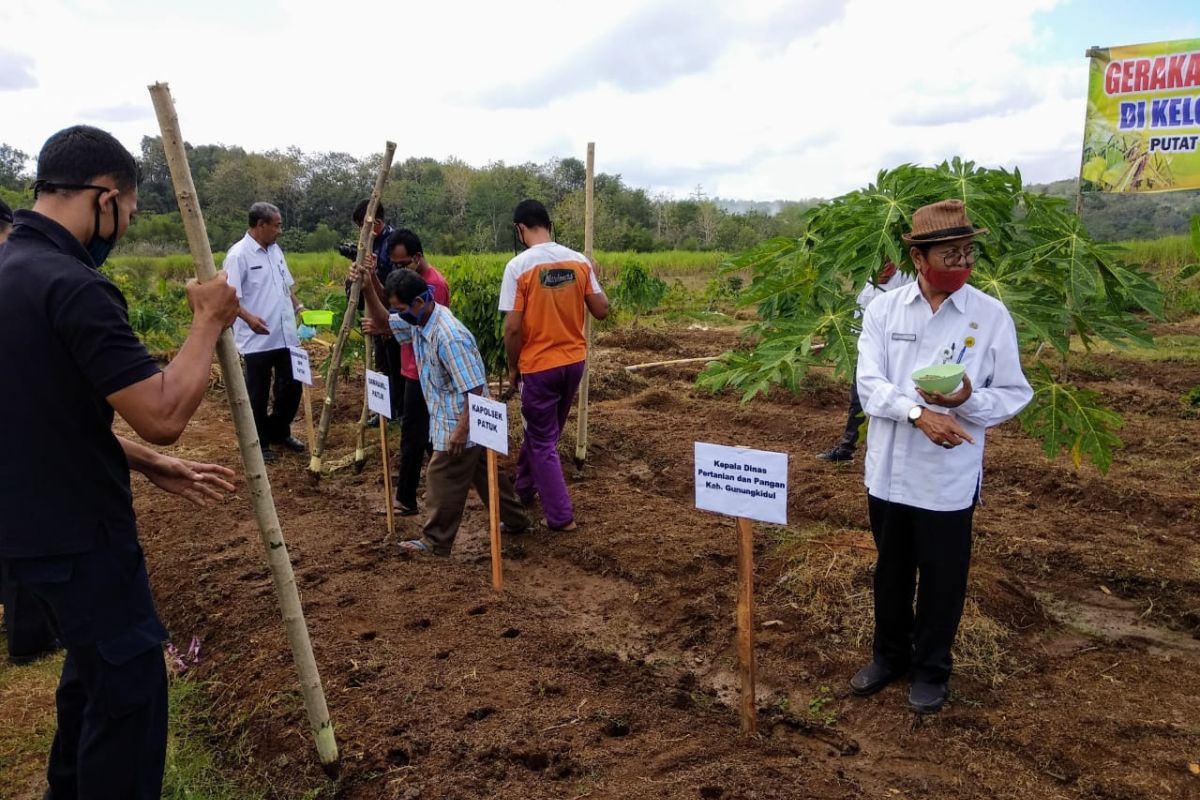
<point x="914" y="414"/>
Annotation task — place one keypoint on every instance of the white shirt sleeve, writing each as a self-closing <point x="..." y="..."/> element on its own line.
<point x="508" y="287"/>
<point x="1005" y="391"/>
<point x="880" y="397"/>
<point x="235" y="269"/>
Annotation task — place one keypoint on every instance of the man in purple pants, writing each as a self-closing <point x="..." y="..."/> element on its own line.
<point x="546" y="292"/>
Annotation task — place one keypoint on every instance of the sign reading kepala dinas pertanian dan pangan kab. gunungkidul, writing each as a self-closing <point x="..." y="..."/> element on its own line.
<point x="1143" y="118"/>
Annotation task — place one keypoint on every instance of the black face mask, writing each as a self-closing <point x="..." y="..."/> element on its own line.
<point x="97" y="247"/>
<point x="518" y="245"/>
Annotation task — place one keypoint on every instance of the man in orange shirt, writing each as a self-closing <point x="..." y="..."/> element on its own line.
<point x="547" y="289"/>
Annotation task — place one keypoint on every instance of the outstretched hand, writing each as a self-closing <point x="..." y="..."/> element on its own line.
<point x="199" y="483"/>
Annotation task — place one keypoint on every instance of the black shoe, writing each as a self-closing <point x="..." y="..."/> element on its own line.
<point x="871" y="678"/>
<point x="269" y="456"/>
<point x="843" y="452"/>
<point x="293" y="444"/>
<point x="927" y="698"/>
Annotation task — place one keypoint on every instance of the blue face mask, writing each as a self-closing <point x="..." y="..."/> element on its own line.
<point x="411" y="318"/>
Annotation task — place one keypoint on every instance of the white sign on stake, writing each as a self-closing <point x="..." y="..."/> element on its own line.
<point x="489" y="423"/>
<point x="379" y="397"/>
<point x="301" y="370"/>
<point x="740" y="482"/>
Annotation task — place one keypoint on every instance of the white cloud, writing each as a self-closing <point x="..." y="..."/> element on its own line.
<point x="766" y="99"/>
<point x="16" y="71"/>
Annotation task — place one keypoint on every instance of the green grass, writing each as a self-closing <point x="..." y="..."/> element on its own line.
<point x="1170" y="347"/>
<point x="193" y="770"/>
<point x="1164" y="258"/>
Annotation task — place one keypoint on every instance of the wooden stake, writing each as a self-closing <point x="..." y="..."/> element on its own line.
<point x="366" y="241"/>
<point x="252" y="459"/>
<point x="360" y="442"/>
<point x="308" y="420"/>
<point x="589" y="222"/>
<point x="384" y="456"/>
<point x="494" y="520"/>
<point x="745" y="623"/>
<point x="387" y="477"/>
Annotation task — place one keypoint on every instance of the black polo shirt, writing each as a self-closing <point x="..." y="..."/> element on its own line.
<point x="65" y="345"/>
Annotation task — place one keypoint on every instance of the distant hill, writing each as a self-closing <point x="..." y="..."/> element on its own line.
<point x="1114" y="217"/>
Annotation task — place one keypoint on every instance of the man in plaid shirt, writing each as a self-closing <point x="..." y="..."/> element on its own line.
<point x="450" y="368"/>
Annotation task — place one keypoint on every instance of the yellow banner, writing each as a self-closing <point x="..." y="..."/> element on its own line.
<point x="1143" y="118"/>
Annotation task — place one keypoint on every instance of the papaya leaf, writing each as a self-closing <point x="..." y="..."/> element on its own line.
<point x="1071" y="420"/>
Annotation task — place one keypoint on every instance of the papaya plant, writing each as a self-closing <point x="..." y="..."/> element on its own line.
<point x="1038" y="259"/>
<point x="637" y="290"/>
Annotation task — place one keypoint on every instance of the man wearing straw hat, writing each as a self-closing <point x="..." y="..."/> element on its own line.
<point x="924" y="463"/>
<point x="68" y="534"/>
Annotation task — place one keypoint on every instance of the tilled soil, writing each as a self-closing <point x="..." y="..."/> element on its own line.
<point x="607" y="668"/>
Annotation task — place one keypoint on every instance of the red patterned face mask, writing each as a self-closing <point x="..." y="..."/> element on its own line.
<point x="947" y="280"/>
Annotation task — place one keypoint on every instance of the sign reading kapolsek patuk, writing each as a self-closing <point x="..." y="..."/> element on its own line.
<point x="489" y="423"/>
<point x="741" y="482"/>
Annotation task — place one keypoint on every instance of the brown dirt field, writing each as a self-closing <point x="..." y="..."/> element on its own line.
<point x="607" y="668"/>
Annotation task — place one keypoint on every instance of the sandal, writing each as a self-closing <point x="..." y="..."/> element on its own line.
<point x="507" y="531"/>
<point x="416" y="546"/>
<point x="570" y="526"/>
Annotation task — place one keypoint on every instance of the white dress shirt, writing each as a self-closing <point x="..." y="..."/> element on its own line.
<point x="263" y="283"/>
<point x="902" y="334"/>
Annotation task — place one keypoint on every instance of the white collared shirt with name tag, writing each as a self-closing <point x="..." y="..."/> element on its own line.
<point x="901" y="334"/>
<point x="263" y="283"/>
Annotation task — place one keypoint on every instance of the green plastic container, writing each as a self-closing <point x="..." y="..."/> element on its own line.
<point x="943" y="378"/>
<point x="317" y="317"/>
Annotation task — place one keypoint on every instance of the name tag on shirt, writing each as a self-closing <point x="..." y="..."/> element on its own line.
<point x="258" y="267"/>
<point x="904" y="337"/>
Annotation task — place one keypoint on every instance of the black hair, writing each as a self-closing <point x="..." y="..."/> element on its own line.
<point x="263" y="212"/>
<point x="360" y="212"/>
<point x="6" y="215"/>
<point x="404" y="285"/>
<point x="78" y="155"/>
<point x="403" y="236"/>
<point x="531" y="214"/>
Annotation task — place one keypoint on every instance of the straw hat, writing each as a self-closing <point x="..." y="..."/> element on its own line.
<point x="941" y="222"/>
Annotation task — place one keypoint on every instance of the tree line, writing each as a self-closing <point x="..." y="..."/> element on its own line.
<point x="453" y="206"/>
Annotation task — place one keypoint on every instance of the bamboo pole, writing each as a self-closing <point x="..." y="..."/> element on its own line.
<point x="366" y="240"/>
<point x="252" y="459"/>
<point x="745" y="624"/>
<point x="589" y="223"/>
<point x="494" y="520"/>
<point x="360" y="442"/>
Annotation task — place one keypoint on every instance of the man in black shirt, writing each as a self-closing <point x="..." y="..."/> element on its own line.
<point x="68" y="535"/>
<point x="387" y="351"/>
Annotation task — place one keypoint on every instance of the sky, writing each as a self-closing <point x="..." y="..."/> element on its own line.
<point x="755" y="100"/>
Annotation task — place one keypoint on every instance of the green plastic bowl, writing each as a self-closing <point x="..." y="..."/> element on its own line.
<point x="943" y="379"/>
<point x="317" y="317"/>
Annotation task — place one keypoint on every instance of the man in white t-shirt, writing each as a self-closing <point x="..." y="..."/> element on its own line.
<point x="266" y="327"/>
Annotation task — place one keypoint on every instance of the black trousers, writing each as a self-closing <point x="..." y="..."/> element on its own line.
<point x="414" y="443"/>
<point x="112" y="697"/>
<point x="855" y="418"/>
<point x="28" y="631"/>
<point x="263" y="370"/>
<point x="387" y="361"/>
<point x="926" y="553"/>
